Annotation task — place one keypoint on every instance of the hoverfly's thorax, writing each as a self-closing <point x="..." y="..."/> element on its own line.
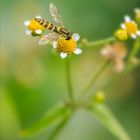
<point x="66" y="33"/>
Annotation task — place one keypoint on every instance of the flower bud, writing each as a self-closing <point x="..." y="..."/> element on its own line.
<point x="137" y="14"/>
<point x="100" y="96"/>
<point x="121" y="35"/>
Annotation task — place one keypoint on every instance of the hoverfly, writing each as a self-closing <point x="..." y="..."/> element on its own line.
<point x="57" y="31"/>
<point x="61" y="38"/>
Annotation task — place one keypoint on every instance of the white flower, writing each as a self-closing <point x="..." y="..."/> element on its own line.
<point x="63" y="46"/>
<point x="130" y="27"/>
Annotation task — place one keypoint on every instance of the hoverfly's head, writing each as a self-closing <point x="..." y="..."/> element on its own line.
<point x="34" y="26"/>
<point x="38" y="18"/>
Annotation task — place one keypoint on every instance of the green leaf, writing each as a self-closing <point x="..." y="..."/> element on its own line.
<point x="54" y="116"/>
<point x="105" y="116"/>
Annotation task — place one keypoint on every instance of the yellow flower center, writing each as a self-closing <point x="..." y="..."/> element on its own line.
<point x="131" y="27"/>
<point x="67" y="46"/>
<point x="34" y="25"/>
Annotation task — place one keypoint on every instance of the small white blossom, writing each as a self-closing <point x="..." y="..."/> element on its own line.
<point x="130" y="27"/>
<point x="123" y="26"/>
<point x="27" y="23"/>
<point x="55" y="44"/>
<point x="38" y="16"/>
<point x="136" y="10"/>
<point x="78" y="51"/>
<point x="138" y="33"/>
<point x="28" y="32"/>
<point x="127" y="18"/>
<point x="63" y="55"/>
<point x="76" y="37"/>
<point x="133" y="36"/>
<point x="38" y="31"/>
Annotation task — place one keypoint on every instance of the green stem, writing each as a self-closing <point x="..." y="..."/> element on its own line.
<point x="59" y="128"/>
<point x="99" y="42"/>
<point x="135" y="49"/>
<point x="114" y="79"/>
<point x="69" y="83"/>
<point x="95" y="78"/>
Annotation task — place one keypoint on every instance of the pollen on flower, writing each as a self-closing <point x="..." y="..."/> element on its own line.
<point x="34" y="25"/>
<point x="66" y="46"/>
<point x="131" y="27"/>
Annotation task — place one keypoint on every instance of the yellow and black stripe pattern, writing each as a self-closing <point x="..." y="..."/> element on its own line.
<point x="59" y="30"/>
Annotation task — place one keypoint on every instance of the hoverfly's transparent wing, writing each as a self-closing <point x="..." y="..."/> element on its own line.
<point x="48" y="38"/>
<point x="55" y="14"/>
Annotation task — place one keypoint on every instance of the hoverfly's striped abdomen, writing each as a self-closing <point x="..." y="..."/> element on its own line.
<point x="59" y="30"/>
<point x="46" y="24"/>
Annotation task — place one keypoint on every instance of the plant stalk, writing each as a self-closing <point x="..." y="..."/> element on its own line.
<point x="98" y="42"/>
<point x="135" y="50"/>
<point x="69" y="82"/>
<point x="59" y="128"/>
<point x="95" y="78"/>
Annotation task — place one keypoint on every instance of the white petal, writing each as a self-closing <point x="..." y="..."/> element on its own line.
<point x="78" y="51"/>
<point x="63" y="55"/>
<point x="27" y="23"/>
<point x="133" y="36"/>
<point x="28" y="32"/>
<point x="55" y="44"/>
<point x="76" y="37"/>
<point x="136" y="10"/>
<point x="123" y="26"/>
<point x="38" y="16"/>
<point x="38" y="31"/>
<point x="127" y="18"/>
<point x="138" y="33"/>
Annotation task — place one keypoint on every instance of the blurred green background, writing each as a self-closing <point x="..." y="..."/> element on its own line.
<point x="33" y="77"/>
